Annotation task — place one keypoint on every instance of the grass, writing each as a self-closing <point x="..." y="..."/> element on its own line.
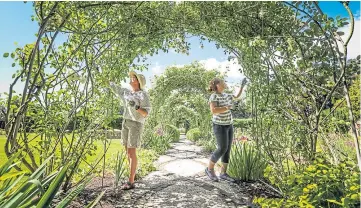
<point x="3" y="157"/>
<point x="145" y="157"/>
<point x="115" y="145"/>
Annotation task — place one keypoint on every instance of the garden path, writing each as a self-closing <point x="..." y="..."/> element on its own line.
<point x="179" y="181"/>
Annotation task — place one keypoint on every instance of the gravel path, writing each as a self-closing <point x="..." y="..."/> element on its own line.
<point x="179" y="181"/>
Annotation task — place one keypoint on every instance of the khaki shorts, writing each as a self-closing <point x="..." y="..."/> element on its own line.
<point x="131" y="133"/>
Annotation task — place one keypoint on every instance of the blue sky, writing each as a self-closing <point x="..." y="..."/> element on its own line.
<point x="16" y="26"/>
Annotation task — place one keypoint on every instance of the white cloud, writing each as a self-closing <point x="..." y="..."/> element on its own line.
<point x="178" y="65"/>
<point x="210" y="63"/>
<point x="224" y="58"/>
<point x="357" y="15"/>
<point x="154" y="71"/>
<point x="353" y="48"/>
<point x="157" y="69"/>
<point x="4" y="87"/>
<point x="230" y="68"/>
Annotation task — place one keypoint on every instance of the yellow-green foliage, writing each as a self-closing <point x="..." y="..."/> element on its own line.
<point x="194" y="134"/>
<point x="321" y="184"/>
<point x="172" y="132"/>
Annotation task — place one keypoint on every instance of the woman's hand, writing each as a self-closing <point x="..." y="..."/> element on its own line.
<point x="243" y="83"/>
<point x="141" y="111"/>
<point x="217" y="110"/>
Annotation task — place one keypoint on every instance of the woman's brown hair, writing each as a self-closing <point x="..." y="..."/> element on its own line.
<point x="213" y="84"/>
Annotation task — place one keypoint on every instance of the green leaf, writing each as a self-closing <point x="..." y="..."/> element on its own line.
<point x="13" y="65"/>
<point x="95" y="202"/>
<point x="30" y="203"/>
<point x="10" y="187"/>
<point x="355" y="196"/>
<point x="13" y="202"/>
<point x="70" y="197"/>
<point x="11" y="175"/>
<point x="7" y="166"/>
<point x="340" y="33"/>
<point x="38" y="184"/>
<point x="41" y="169"/>
<point x="53" y="188"/>
<point x="6" y="55"/>
<point x="334" y="201"/>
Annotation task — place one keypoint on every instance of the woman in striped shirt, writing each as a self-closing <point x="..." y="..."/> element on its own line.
<point x="220" y="104"/>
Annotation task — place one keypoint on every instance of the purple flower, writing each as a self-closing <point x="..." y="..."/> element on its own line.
<point x="350" y="144"/>
<point x="160" y="132"/>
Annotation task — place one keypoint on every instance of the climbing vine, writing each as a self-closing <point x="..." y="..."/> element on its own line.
<point x="179" y="97"/>
<point x="291" y="51"/>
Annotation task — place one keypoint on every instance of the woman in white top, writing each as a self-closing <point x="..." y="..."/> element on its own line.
<point x="136" y="108"/>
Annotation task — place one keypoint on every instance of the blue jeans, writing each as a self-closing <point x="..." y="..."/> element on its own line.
<point x="224" y="137"/>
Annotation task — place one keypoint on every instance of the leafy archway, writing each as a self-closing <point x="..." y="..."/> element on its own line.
<point x="286" y="49"/>
<point x="182" y="87"/>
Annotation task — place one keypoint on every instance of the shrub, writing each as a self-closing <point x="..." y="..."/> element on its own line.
<point x="119" y="168"/>
<point x="242" y="123"/>
<point x="117" y="122"/>
<point x="119" y="164"/>
<point x="159" y="144"/>
<point x="146" y="159"/>
<point x="20" y="189"/>
<point x="160" y="137"/>
<point x="208" y="145"/>
<point x="172" y="133"/>
<point x="246" y="162"/>
<point x="154" y="139"/>
<point x="321" y="184"/>
<point x="194" y="134"/>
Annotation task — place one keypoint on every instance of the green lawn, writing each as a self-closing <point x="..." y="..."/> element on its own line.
<point x="145" y="157"/>
<point x="3" y="157"/>
<point x="115" y="146"/>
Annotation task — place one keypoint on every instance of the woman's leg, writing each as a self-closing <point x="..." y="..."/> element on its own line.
<point x="133" y="142"/>
<point x="222" y="144"/>
<point x="133" y="163"/>
<point x="219" y="132"/>
<point x="125" y="138"/>
<point x="225" y="157"/>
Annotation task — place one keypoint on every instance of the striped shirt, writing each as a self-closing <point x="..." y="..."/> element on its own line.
<point x="222" y="100"/>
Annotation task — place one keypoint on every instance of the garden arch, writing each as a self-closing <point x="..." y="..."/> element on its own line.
<point x="282" y="47"/>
